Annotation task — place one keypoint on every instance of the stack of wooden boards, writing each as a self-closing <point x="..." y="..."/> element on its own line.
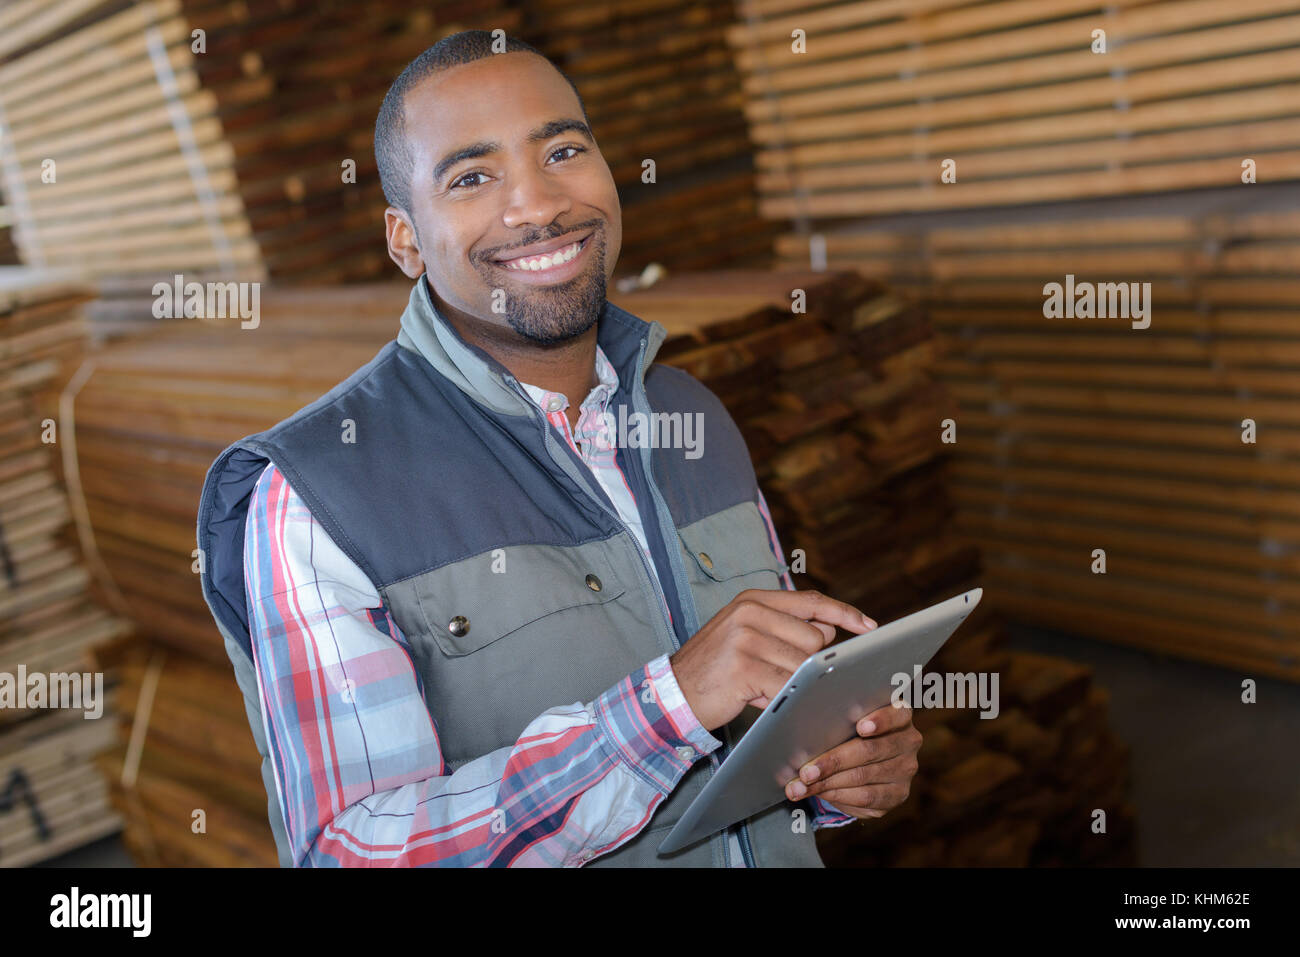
<point x="1078" y="438"/>
<point x="1021" y="98"/>
<point x="842" y="417"/>
<point x="112" y="156"/>
<point x="52" y="798"/>
<point x="1077" y="434"/>
<point x="298" y="85"/>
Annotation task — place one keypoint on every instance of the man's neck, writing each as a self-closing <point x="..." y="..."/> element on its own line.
<point x="568" y="368"/>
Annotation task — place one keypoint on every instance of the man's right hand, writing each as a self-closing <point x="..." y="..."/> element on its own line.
<point x="751" y="647"/>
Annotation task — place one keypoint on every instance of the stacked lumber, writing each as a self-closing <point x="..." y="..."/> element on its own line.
<point x="837" y="403"/>
<point x="297" y="86"/>
<point x="862" y="120"/>
<point x="192" y="795"/>
<point x="51" y="797"/>
<point x="142" y="184"/>
<point x="660" y="84"/>
<point x="1076" y="434"/>
<point x="841" y="412"/>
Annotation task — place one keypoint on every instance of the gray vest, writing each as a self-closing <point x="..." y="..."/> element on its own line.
<point x="454" y="469"/>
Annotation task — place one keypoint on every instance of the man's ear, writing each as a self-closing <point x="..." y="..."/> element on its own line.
<point x="401" y="242"/>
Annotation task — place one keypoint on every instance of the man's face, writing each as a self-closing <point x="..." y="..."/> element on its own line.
<point x="544" y="182"/>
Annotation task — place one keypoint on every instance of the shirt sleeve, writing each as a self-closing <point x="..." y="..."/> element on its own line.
<point x="823" y="814"/>
<point x="356" y="755"/>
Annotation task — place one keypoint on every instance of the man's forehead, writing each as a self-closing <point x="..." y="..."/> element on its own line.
<point x="473" y="98"/>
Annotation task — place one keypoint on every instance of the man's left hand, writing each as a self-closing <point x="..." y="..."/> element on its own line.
<point x="869" y="775"/>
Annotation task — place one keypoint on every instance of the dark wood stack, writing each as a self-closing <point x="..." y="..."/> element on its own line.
<point x="659" y="83"/>
<point x="841" y="412"/>
<point x="197" y="755"/>
<point x="298" y="85"/>
<point x="838" y="405"/>
<point x="1084" y="433"/>
<point x="50" y="623"/>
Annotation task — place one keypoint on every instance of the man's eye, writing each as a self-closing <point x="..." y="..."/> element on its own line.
<point x="461" y="179"/>
<point x="578" y="149"/>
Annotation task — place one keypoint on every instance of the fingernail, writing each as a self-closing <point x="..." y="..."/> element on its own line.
<point x="868" y="623"/>
<point x="811" y="773"/>
<point x="866" y="727"/>
<point x="797" y="790"/>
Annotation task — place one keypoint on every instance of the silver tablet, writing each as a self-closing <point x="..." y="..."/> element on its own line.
<point x="817" y="709"/>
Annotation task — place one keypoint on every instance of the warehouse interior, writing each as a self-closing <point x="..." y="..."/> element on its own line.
<point x="915" y="174"/>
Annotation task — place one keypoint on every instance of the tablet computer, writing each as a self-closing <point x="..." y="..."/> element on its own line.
<point x="817" y="709"/>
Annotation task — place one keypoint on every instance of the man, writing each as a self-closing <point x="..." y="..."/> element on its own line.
<point x="472" y="625"/>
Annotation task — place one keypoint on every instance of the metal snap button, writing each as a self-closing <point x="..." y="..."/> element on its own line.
<point x="458" y="626"/>
<point x="593" y="583"/>
<point x="705" y="560"/>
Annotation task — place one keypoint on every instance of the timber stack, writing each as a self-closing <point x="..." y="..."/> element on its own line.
<point x="827" y="375"/>
<point x="54" y="710"/>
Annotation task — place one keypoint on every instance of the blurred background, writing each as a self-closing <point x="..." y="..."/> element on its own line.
<point x="920" y="169"/>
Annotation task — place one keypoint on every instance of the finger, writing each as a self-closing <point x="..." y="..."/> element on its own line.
<point x="812" y="604"/>
<point x="874" y="763"/>
<point x="897" y="769"/>
<point x="807" y="636"/>
<point x="884" y="720"/>
<point x="877" y="797"/>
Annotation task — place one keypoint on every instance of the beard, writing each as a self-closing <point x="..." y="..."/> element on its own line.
<point x="552" y="315"/>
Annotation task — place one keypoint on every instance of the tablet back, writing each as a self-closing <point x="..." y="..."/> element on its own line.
<point x="818" y="708"/>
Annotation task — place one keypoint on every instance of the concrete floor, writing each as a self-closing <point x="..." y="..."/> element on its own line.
<point x="1216" y="782"/>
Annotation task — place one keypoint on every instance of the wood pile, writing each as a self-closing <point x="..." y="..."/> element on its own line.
<point x="862" y="120"/>
<point x="660" y="84"/>
<point x="142" y="183"/>
<point x="1085" y="433"/>
<point x="52" y="799"/>
<point x="841" y="412"/>
<point x="298" y="85"/>
<point x="837" y="403"/>
<point x="194" y="796"/>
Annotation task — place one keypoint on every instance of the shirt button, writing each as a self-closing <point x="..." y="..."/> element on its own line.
<point x="554" y="404"/>
<point x="686" y="754"/>
<point x="587" y="856"/>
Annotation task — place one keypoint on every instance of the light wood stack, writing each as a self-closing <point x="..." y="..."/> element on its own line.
<point x="49" y="622"/>
<point x="1075" y="434"/>
<point x="860" y="123"/>
<point x="842" y="416"/>
<point x="144" y="181"/>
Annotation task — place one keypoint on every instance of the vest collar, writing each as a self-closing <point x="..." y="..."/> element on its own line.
<point x="484" y="379"/>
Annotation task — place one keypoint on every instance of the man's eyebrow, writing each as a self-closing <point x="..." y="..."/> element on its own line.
<point x="474" y="150"/>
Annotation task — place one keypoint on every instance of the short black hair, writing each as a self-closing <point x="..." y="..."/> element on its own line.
<point x="392" y="154"/>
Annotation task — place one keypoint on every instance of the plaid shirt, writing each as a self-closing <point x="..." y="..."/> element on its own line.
<point x="360" y="772"/>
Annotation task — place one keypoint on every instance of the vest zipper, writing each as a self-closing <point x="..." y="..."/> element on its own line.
<point x="746" y="852"/>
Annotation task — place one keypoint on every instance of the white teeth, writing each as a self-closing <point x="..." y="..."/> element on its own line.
<point x="558" y="258"/>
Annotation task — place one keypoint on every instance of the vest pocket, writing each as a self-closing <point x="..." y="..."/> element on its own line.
<point x="726" y="553"/>
<point x="477" y="601"/>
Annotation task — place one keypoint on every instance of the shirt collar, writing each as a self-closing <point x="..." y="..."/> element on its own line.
<point x="598" y="398"/>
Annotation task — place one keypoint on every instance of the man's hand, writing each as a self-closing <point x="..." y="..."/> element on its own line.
<point x="870" y="774"/>
<point x="751" y="647"/>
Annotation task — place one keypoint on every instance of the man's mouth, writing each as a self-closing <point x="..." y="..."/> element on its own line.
<point x="542" y="263"/>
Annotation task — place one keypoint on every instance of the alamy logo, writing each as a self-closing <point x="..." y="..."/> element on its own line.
<point x="102" y="910"/>
<point x="933" y="689"/>
<point x="212" y="300"/>
<point x="657" y="430"/>
<point x="1104" y="300"/>
<point x="54" y="690"/>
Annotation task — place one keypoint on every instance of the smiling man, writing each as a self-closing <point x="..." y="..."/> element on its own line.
<point x="471" y="624"/>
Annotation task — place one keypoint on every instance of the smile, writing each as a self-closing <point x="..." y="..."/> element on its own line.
<point x="549" y="262"/>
